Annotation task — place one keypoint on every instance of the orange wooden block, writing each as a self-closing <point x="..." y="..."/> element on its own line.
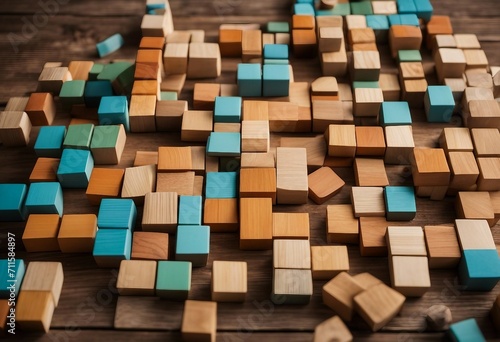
<point x="251" y="45"/>
<point x="370" y="141"/>
<point x="77" y="233"/>
<point x="34" y="310"/>
<point x="429" y="167"/>
<point x="80" y="69"/>
<point x="45" y="170"/>
<point x="256" y="223"/>
<point x="404" y="37"/>
<point x="180" y="182"/>
<point x="221" y="214"/>
<point x="204" y="95"/>
<point x="304" y="22"/>
<point x="324" y="183"/>
<point x="149" y="246"/>
<point x="341" y="224"/>
<point x="442" y="246"/>
<point x="147" y="71"/>
<point x="291" y="226"/>
<point x="149" y="56"/>
<point x="258" y="182"/>
<point x="104" y="183"/>
<point x="230" y="42"/>
<point x="146" y="87"/>
<point x="372" y="240"/>
<point x="4" y="311"/>
<point x="475" y="205"/>
<point x="155" y="43"/>
<point x="304" y="42"/>
<point x="439" y="24"/>
<point x="41" y="109"/>
<point x="370" y="172"/>
<point x="40" y="233"/>
<point x="173" y="158"/>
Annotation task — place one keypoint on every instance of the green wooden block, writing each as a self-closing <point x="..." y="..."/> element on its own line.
<point x="365" y="84"/>
<point x="193" y="244"/>
<point x="173" y="279"/>
<point x="400" y="204"/>
<point x="479" y="269"/>
<point x="466" y="331"/>
<point x="12" y="206"/>
<point x="111" y="246"/>
<point x="276" y="61"/>
<point x="79" y="136"/>
<point x="278" y="27"/>
<point x="97" y="68"/>
<point x="108" y="143"/>
<point x="168" y="96"/>
<point x="409" y="56"/>
<point x="291" y="286"/>
<point x="72" y="93"/>
<point x="190" y="210"/>
<point x="120" y="75"/>
<point x="338" y="9"/>
<point x="361" y="8"/>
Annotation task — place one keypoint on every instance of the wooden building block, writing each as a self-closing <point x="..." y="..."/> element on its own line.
<point x="256" y="223"/>
<point x="489" y="174"/>
<point x="400" y="144"/>
<point x="199" y="321"/>
<point x="149" y="246"/>
<point x="175" y="58"/>
<point x="283" y="116"/>
<point x="482" y="114"/>
<point x="15" y="128"/>
<point x="77" y="233"/>
<point x="221" y="185"/>
<point x="258" y="183"/>
<point x="229" y="281"/>
<point x="179" y="37"/>
<point x="358" y="36"/>
<point x="338" y="294"/>
<point x="107" y="144"/>
<point x="291" y="286"/>
<point x="479" y="269"/>
<point x="370" y="172"/>
<point x="169" y="115"/>
<point x="224" y="144"/>
<point x="411" y="70"/>
<point x="442" y="41"/>
<point x="342" y="225"/>
<point x="276" y="80"/>
<point x="438" y="25"/>
<point x="479" y="79"/>
<point x="156" y="25"/>
<point x="173" y="279"/>
<point x="42" y="198"/>
<point x="328" y="261"/>
<point x="475" y="59"/>
<point x="204" y="60"/>
<point x="429" y="167"/>
<point x="190" y="210"/>
<point x="221" y="214"/>
<point x="72" y="93"/>
<point x="75" y="168"/>
<point x="34" y="310"/>
<point x="326" y="112"/>
<point x="332" y="329"/>
<point x="442" y="246"/>
<point x="464" y="170"/>
<point x="291" y="226"/>
<point x="142" y="113"/>
<point x="136" y="278"/>
<point x="255" y="136"/>
<point x="365" y="66"/>
<point x="384" y="7"/>
<point x="251" y="45"/>
<point x="49" y="141"/>
<point x="368" y="201"/>
<point x="193" y="244"/>
<point x="249" y="79"/>
<point x="204" y="95"/>
<point x="330" y="39"/>
<point x="17" y="104"/>
<point x="174" y="158"/>
<point x="160" y="212"/>
<point x="410" y="275"/>
<point x="111" y="247"/>
<point x="155" y="43"/>
<point x="304" y="42"/>
<point x="486" y="142"/>
<point x="450" y="62"/>
<point x="367" y="101"/>
<point x="456" y="139"/>
<point x="404" y="37"/>
<point x="138" y="181"/>
<point x="390" y="87"/>
<point x="400" y="203"/>
<point x="325" y="86"/>
<point x="146" y="87"/>
<point x="291" y="175"/>
<point x="196" y="125"/>
<point x="44" y="276"/>
<point x="52" y="79"/>
<point x="146" y="158"/>
<point x="40" y="233"/>
<point x="405" y="241"/>
<point x="372" y="232"/>
<point x="255" y="110"/>
<point x="439" y="103"/>
<point x="370" y="141"/>
<point x="173" y="83"/>
<point x="341" y="140"/>
<point x="466" y="329"/>
<point x="475" y="205"/>
<point x="315" y="146"/>
<point x="324" y="183"/>
<point x="474" y="234"/>
<point x="292" y="254"/>
<point x="414" y="92"/>
<point x="354" y="21"/>
<point x="45" y="170"/>
<point x="79" y="137"/>
<point x="104" y="183"/>
<point x="230" y="42"/>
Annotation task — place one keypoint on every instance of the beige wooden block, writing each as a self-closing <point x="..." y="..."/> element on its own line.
<point x="365" y="66"/>
<point x="17" y="104"/>
<point x="221" y="214"/>
<point x="456" y="139"/>
<point x="256" y="223"/>
<point x="294" y="254"/>
<point x="204" y="60"/>
<point x="324" y="183"/>
<point x="450" y="63"/>
<point x="328" y="261"/>
<point x="464" y="170"/>
<point x="181" y="183"/>
<point x="160" y="212"/>
<point x="489" y="174"/>
<point x="466" y="41"/>
<point x="34" y="310"/>
<point x="384" y="7"/>
<point x="325" y="86"/>
<point x="372" y="232"/>
<point x="410" y="275"/>
<point x="338" y="294"/>
<point x="429" y="167"/>
<point x="255" y="136"/>
<point x="341" y="224"/>
<point x="354" y="21"/>
<point x="169" y="114"/>
<point x="257" y="160"/>
<point x="15" y="128"/>
<point x="291" y="175"/>
<point x="229" y="127"/>
<point x="291" y="286"/>
<point x="283" y="116"/>
<point x="405" y="241"/>
<point x="330" y="38"/>
<point x="198" y="156"/>
<point x="136" y="278"/>
<point x="145" y="158"/>
<point x="77" y="233"/>
<point x="389" y="84"/>
<point x="315" y="147"/>
<point x="196" y="125"/>
<point x="400" y="144"/>
<point x="475" y="205"/>
<point x="329" y="21"/>
<point x="156" y="25"/>
<point x="198" y="186"/>
<point x="414" y="92"/>
<point x="268" y="38"/>
<point x="475" y="59"/>
<point x="174" y="158"/>
<point x="251" y="45"/>
<point x="44" y="276"/>
<point x="486" y="142"/>
<point x="258" y="183"/>
<point x="51" y="79"/>
<point x="442" y="41"/>
<point x="474" y="234"/>
<point x="80" y="69"/>
<point x="282" y="38"/>
<point x="341" y="140"/>
<point x="478" y="79"/>
<point x="358" y="36"/>
<point x="370" y="141"/>
<point x="368" y="201"/>
<point x="470" y="94"/>
<point x="366" y="280"/>
<point x="175" y="57"/>
<point x="327" y="112"/>
<point x="442" y="246"/>
<point x="334" y="63"/>
<point x="370" y="172"/>
<point x="197" y="36"/>
<point x="204" y="95"/>
<point x="411" y="70"/>
<point x="149" y="246"/>
<point x="199" y="321"/>
<point x="482" y="114"/>
<point x="142" y="113"/>
<point x="333" y="329"/>
<point x="367" y="101"/>
<point x="457" y="86"/>
<point x="173" y="83"/>
<point x="229" y="281"/>
<point x="291" y="226"/>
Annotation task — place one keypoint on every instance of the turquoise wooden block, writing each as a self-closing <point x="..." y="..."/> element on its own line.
<point x="12" y="200"/>
<point x="361" y="8"/>
<point x="109" y="45"/>
<point x="49" y="141"/>
<point x="95" y="71"/>
<point x="168" y="96"/>
<point x="78" y="136"/>
<point x="249" y="79"/>
<point x="424" y="9"/>
<point x="395" y="113"/>
<point x="95" y="90"/>
<point x="111" y="246"/>
<point x="45" y="198"/>
<point x="117" y="213"/>
<point x="400" y="204"/>
<point x="173" y="279"/>
<point x="479" y="269"/>
<point x="305" y="2"/>
<point x="303" y="9"/>
<point x="75" y="169"/>
<point x="221" y="185"/>
<point x="193" y="244"/>
<point x="365" y="84"/>
<point x="11" y="277"/>
<point x="403" y="19"/>
<point x="466" y="331"/>
<point x="190" y="209"/>
<point x="276" y="80"/>
<point x="120" y="75"/>
<point x="227" y="109"/>
<point x="276" y="51"/>
<point x="278" y="27"/>
<point x="409" y="56"/>
<point x="406" y="6"/>
<point x="224" y="144"/>
<point x="113" y="110"/>
<point x="338" y="9"/>
<point x="439" y="103"/>
<point x="72" y="93"/>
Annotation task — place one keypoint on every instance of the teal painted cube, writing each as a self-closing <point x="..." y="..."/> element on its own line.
<point x="113" y="110"/>
<point x="278" y="27"/>
<point x="395" y="113"/>
<point x="111" y="246"/>
<point x="400" y="204"/>
<point x="339" y="9"/>
<point x="11" y="277"/>
<point x="45" y="198"/>
<point x="109" y="45"/>
<point x="406" y="6"/>
<point x="120" y="75"/>
<point x="479" y="269"/>
<point x="276" y="80"/>
<point x="12" y="202"/>
<point x="173" y="279"/>
<point x="168" y="96"/>
<point x="224" y="144"/>
<point x="409" y="56"/>
<point x="117" y="213"/>
<point x="380" y="25"/>
<point x="78" y="136"/>
<point x="190" y="209"/>
<point x="108" y="143"/>
<point x="403" y="19"/>
<point x="439" y="103"/>
<point x="249" y="79"/>
<point x="221" y="185"/>
<point x="75" y="168"/>
<point x="303" y="9"/>
<point x="276" y="51"/>
<point x="365" y="84"/>
<point x="50" y="141"/>
<point x="95" y="90"/>
<point x="466" y="331"/>
<point x="72" y="93"/>
<point x="361" y="8"/>
<point x="424" y="9"/>
<point x="227" y="109"/>
<point x="193" y="244"/>
<point x="97" y="68"/>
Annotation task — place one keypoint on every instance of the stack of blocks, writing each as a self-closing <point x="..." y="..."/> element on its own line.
<point x="331" y="44"/>
<point x="304" y="37"/>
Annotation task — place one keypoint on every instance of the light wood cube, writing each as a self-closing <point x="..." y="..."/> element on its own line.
<point x="368" y="201"/>
<point x="338" y="295"/>
<point x="291" y="226"/>
<point x="229" y="281"/>
<point x="160" y="212"/>
<point x="442" y="246"/>
<point x="410" y="275"/>
<point x="405" y="241"/>
<point x="342" y="225"/>
<point x="293" y="254"/>
<point x="328" y="261"/>
<point x="199" y="321"/>
<point x="136" y="278"/>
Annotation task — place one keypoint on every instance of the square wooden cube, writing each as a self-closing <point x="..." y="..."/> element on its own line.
<point x="230" y="42"/>
<point x="291" y="175"/>
<point x="294" y="254"/>
<point x="173" y="279"/>
<point x="370" y="172"/>
<point x="256" y="223"/>
<point x="104" y="183"/>
<point x="175" y="58"/>
<point x="429" y="167"/>
<point x="464" y="170"/>
<point x="174" y="158"/>
<point x="45" y="170"/>
<point x="365" y="65"/>
<point x="15" y="128"/>
<point x="404" y="37"/>
<point x="372" y="231"/>
<point x="291" y="286"/>
<point x="486" y="142"/>
<point x="136" y="278"/>
<point x="370" y="141"/>
<point x="40" y="233"/>
<point x="405" y="241"/>
<point x="367" y="101"/>
<point x="328" y="261"/>
<point x="204" y="95"/>
<point x="341" y="140"/>
<point x="258" y="182"/>
<point x="489" y="174"/>
<point x="338" y="295"/>
<point x="332" y="329"/>
<point x="160" y="212"/>
<point x="34" y="310"/>
<point x="138" y="181"/>
<point x="77" y="233"/>
<point x="400" y="144"/>
<point x="169" y="115"/>
<point x="389" y="84"/>
<point x="224" y="290"/>
<point x="442" y="246"/>
<point x="108" y="143"/>
<point x="149" y="246"/>
<point x="410" y="275"/>
<point x="255" y="136"/>
<point x="342" y="225"/>
<point x="324" y="183"/>
<point x="41" y="109"/>
<point x="368" y="201"/>
<point x="221" y="214"/>
<point x="199" y="321"/>
<point x="474" y="234"/>
<point x="291" y="226"/>
<point x="204" y="60"/>
<point x="475" y="205"/>
<point x="44" y="276"/>
<point x="181" y="183"/>
<point x="196" y="125"/>
<point x="456" y="139"/>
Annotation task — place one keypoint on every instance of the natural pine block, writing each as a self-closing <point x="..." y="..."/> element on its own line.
<point x="292" y="286"/>
<point x="44" y="198"/>
<point x="256" y="223"/>
<point x="149" y="246"/>
<point x="486" y="142"/>
<point x="456" y="139"/>
<point x="174" y="158"/>
<point x="439" y="103"/>
<point x="221" y="185"/>
<point x="400" y="203"/>
<point x="179" y="37"/>
<point x="429" y="167"/>
<point x="283" y="116"/>
<point x="404" y="37"/>
<point x="475" y="59"/>
<point x="146" y="158"/>
<point x="190" y="208"/>
<point x="355" y="21"/>
<point x="358" y="36"/>
<point x="251" y="45"/>
<point x="104" y="183"/>
<point x="334" y="63"/>
<point x="411" y="70"/>
<point x="169" y="115"/>
<point x="80" y="69"/>
<point x="414" y="92"/>
<point x="464" y="170"/>
<point x="395" y="113"/>
<point x="193" y="244"/>
<point x="441" y="41"/>
<point x="328" y="261"/>
<point x="204" y="95"/>
<point x="332" y="329"/>
<point x="136" y="278"/>
<point x="366" y="280"/>
<point x="442" y="246"/>
<point x="221" y="214"/>
<point x="44" y="276"/>
<point x="479" y="269"/>
<point x="384" y="7"/>
<point x="475" y="205"/>
<point x="12" y="204"/>
<point x="249" y="160"/>
<point x="155" y="25"/>
<point x="341" y="140"/>
<point x="75" y="168"/>
<point x="365" y="66"/>
<point x="198" y="159"/>
<point x="372" y="232"/>
<point x="41" y="109"/>
<point x="342" y="226"/>
<point x="204" y="60"/>
<point x="229" y="281"/>
<point x="324" y="183"/>
<point x="450" y="63"/>
<point x="389" y="84"/>
<point x="173" y="280"/>
<point x="40" y="233"/>
<point x="160" y="212"/>
<point x="370" y="172"/>
<point x="293" y="254"/>
<point x="466" y="330"/>
<point x="196" y="125"/>
<point x="138" y="181"/>
<point x="400" y="144"/>
<point x="405" y="241"/>
<point x="255" y="136"/>
<point x="326" y="112"/>
<point x="230" y="42"/>
<point x="368" y="201"/>
<point x="51" y="79"/>
<point x="79" y="136"/>
<point x="315" y="146"/>
<point x="330" y="39"/>
<point x="370" y="141"/>
<point x="255" y="110"/>
<point x="34" y="310"/>
<point x="489" y="174"/>
<point x="482" y="114"/>
<point x="108" y="143"/>
<point x="173" y="83"/>
<point x="15" y="128"/>
<point x="304" y="42"/>
<point x="111" y="247"/>
<point x="175" y="58"/>
<point x="410" y="275"/>
<point x="258" y="182"/>
<point x="77" y="233"/>
<point x="474" y="234"/>
<point x="45" y="170"/>
<point x="367" y="101"/>
<point x="338" y="294"/>
<point x="49" y="141"/>
<point x="291" y="226"/>
<point x="17" y="104"/>
<point x="475" y="79"/>
<point x="117" y="214"/>
<point x="291" y="175"/>
<point x="199" y="321"/>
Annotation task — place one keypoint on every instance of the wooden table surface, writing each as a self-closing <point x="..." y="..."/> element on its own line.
<point x="89" y="302"/>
